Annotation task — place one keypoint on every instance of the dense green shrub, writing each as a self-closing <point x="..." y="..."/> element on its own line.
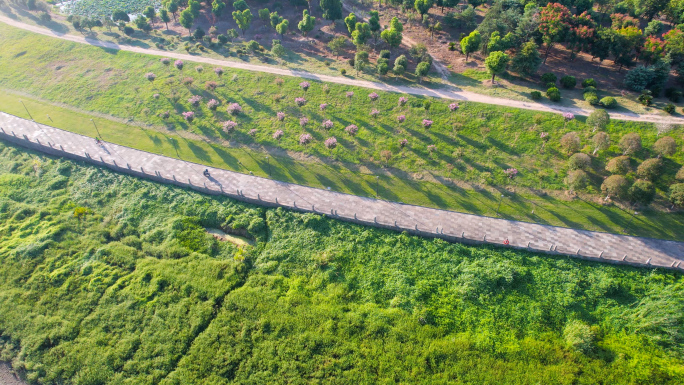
<point x="608" y="102"/>
<point x="571" y="142"/>
<point x="577" y="180"/>
<point x="673" y="94"/>
<point x="650" y="169"/>
<point x="579" y="336"/>
<point x="669" y="108"/>
<point x="642" y="192"/>
<point x="385" y="54"/>
<point x="591" y="98"/>
<point x="589" y="89"/>
<point x="630" y="143"/>
<point x="638" y="78"/>
<point x="579" y="161"/>
<point x="589" y="83"/>
<point x="645" y="99"/>
<point x="665" y="146"/>
<point x="568" y="81"/>
<point x="549" y="78"/>
<point x="553" y="94"/>
<point x="615" y="186"/>
<point x="618" y="165"/>
<point x="535" y="95"/>
<point x="677" y="195"/>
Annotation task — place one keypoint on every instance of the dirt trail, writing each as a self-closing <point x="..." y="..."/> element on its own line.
<point x="447" y="92"/>
<point x="7" y="376"/>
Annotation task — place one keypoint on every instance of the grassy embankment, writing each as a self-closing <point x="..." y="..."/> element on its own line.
<point x="133" y="290"/>
<point x="473" y="146"/>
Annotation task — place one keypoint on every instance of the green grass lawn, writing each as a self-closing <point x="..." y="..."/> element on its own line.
<point x="109" y="279"/>
<point x="473" y="145"/>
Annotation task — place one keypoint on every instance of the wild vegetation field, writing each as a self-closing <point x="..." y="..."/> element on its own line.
<point x="107" y="279"/>
<point x="464" y="149"/>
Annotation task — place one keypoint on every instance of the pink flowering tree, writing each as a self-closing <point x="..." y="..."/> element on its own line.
<point x="511" y="172"/>
<point x="373" y="96"/>
<point x="567" y="116"/>
<point x="431" y="148"/>
<point x="351" y="129"/>
<point x="328" y="124"/>
<point x="374" y="113"/>
<point x="178" y="64"/>
<point x="350" y="95"/>
<point x="280" y="116"/>
<point x="331" y="143"/>
<point x="305" y="139"/>
<point x="229" y="126"/>
<point x="453" y="107"/>
<point x="403" y="143"/>
<point x="300" y="102"/>
<point x="303" y="121"/>
<point x="323" y="106"/>
<point x="195" y="100"/>
<point x="150" y="76"/>
<point x="189" y="116"/>
<point x="252" y="132"/>
<point x="213" y="104"/>
<point x="401" y="118"/>
<point x="234" y="109"/>
<point x="402" y="101"/>
<point x="218" y="71"/>
<point x="278" y="134"/>
<point x="305" y="86"/>
<point x="427" y="123"/>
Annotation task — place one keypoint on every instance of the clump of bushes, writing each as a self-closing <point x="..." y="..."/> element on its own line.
<point x="673" y="94"/>
<point x="669" y="108"/>
<point x="645" y="99"/>
<point x="568" y="81"/>
<point x="589" y="83"/>
<point x="553" y="94"/>
<point x="548" y="78"/>
<point x="535" y="95"/>
<point x="665" y="146"/>
<point x="570" y="142"/>
<point x="642" y="192"/>
<point x="577" y="179"/>
<point x="591" y="98"/>
<point x="608" y="102"/>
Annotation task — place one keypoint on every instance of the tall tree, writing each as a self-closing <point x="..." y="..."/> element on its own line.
<point x="217" y="7"/>
<point x="150" y="13"/>
<point x="496" y="63"/>
<point x="307" y="23"/>
<point x="470" y="43"/>
<point x="554" y="25"/>
<point x="527" y="60"/>
<point x="282" y="27"/>
<point x="194" y="8"/>
<point x="422" y="6"/>
<point x="392" y="37"/>
<point x="172" y="7"/>
<point x="374" y="25"/>
<point x="243" y="19"/>
<point x="337" y="44"/>
<point x="332" y="9"/>
<point x="187" y="19"/>
<point x="275" y="19"/>
<point x="350" y="22"/>
<point x="164" y="17"/>
<point x="361" y="34"/>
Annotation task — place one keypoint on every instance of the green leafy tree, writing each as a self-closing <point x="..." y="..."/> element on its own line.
<point x="217" y="7"/>
<point x="677" y="195"/>
<point x="240" y="5"/>
<point x="392" y="37"/>
<point x="360" y="61"/>
<point x="374" y="24"/>
<point x="422" y="70"/>
<point x="278" y="50"/>
<point x="307" y="23"/>
<point x="120" y="15"/>
<point x="142" y="24"/>
<point x="283" y="27"/>
<point x="264" y="14"/>
<point x="194" y="7"/>
<point x="527" y="60"/>
<point x="337" y="45"/>
<point x="471" y="43"/>
<point x="243" y="19"/>
<point x="164" y="17"/>
<point x="187" y="19"/>
<point x="275" y="19"/>
<point x="496" y="63"/>
<point x="150" y="13"/>
<point x="396" y="25"/>
<point x="642" y="192"/>
<point x="332" y="9"/>
<point x="361" y="34"/>
<point x="422" y="6"/>
<point x="350" y="22"/>
<point x="172" y="7"/>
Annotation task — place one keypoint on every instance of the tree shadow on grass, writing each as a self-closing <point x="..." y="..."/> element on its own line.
<point x="198" y="151"/>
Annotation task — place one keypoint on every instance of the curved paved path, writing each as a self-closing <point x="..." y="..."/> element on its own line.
<point x="447" y="93"/>
<point x="424" y="221"/>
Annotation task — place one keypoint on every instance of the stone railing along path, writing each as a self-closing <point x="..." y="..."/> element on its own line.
<point x="449" y="225"/>
<point x="448" y="92"/>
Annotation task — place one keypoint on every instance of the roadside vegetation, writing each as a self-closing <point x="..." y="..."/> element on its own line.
<point x="93" y="261"/>
<point x="463" y="146"/>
